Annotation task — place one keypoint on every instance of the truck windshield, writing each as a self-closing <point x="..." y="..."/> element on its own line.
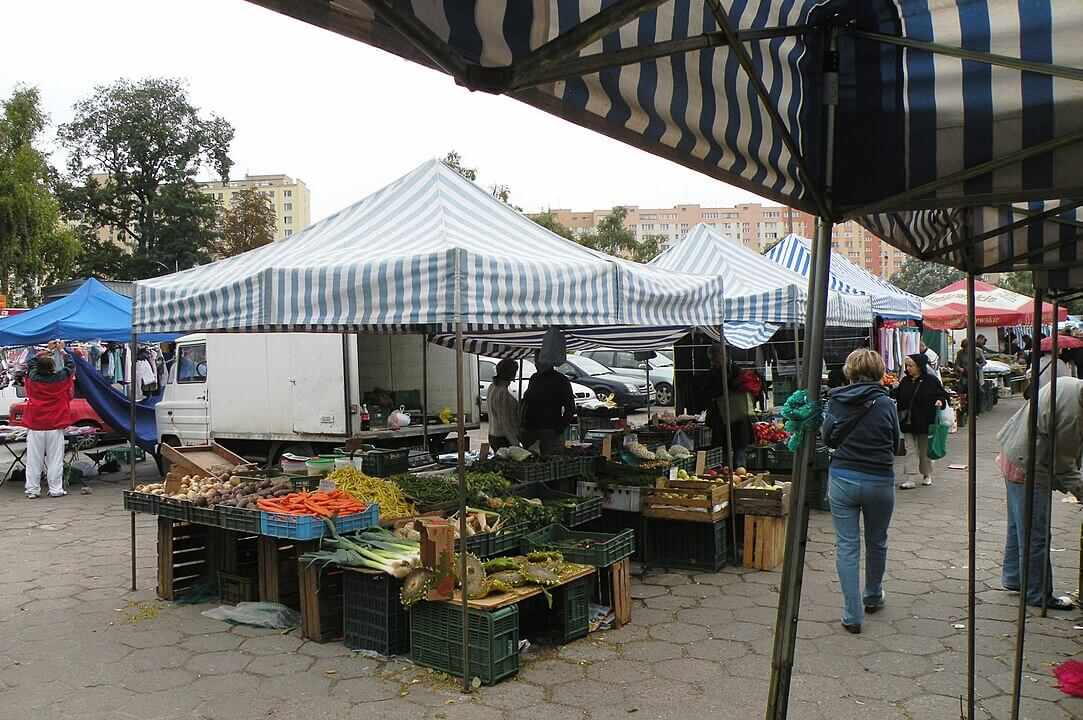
<point x="192" y="363"/>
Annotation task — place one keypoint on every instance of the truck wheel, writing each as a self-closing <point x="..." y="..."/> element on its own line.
<point x="663" y="394"/>
<point x="304" y="450"/>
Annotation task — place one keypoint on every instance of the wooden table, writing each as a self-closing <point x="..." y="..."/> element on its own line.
<point x="497" y="601"/>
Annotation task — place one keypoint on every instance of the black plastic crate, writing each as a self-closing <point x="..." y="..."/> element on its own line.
<point x="685" y="545"/>
<point x="487" y="545"/>
<point x="373" y="617"/>
<point x="579" y="510"/>
<point x="613" y="522"/>
<point x="141" y="502"/>
<point x="205" y="516"/>
<point x="436" y="640"/>
<point x="604" y="549"/>
<point x="385" y="463"/>
<point x="233" y="589"/>
<point x="241" y="519"/>
<point x="175" y="509"/>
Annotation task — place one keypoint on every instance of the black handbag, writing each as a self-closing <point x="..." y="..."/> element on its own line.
<point x="900" y="447"/>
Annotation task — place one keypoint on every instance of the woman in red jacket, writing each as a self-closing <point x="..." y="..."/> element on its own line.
<point x="49" y="391"/>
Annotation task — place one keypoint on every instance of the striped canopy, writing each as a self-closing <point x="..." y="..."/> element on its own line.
<point x="1046" y="237"/>
<point x="941" y="103"/>
<point x="396" y="259"/>
<point x="760" y="295"/>
<point x="795" y="253"/>
<point x="945" y="309"/>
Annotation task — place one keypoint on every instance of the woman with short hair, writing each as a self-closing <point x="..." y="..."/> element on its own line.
<point x="861" y="423"/>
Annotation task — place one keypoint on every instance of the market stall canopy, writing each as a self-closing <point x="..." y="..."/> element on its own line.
<point x="795" y="253"/>
<point x="1044" y="237"/>
<point x="945" y="309"/>
<point x="424" y="252"/>
<point x="931" y="93"/>
<point x="760" y="295"/>
<point x="92" y="312"/>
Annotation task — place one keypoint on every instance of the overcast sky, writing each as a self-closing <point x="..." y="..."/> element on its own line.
<point x="344" y="117"/>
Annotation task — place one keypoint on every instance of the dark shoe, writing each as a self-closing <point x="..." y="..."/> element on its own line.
<point x="1009" y="588"/>
<point x="875" y="608"/>
<point x="852" y="629"/>
<point x="1058" y="603"/>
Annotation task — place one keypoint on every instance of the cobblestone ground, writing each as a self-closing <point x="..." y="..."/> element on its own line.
<point x="74" y="642"/>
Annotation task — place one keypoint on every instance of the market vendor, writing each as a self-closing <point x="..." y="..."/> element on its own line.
<point x="503" y="407"/>
<point x="740" y="405"/>
<point x="50" y="386"/>
<point x="549" y="408"/>
<point x="1064" y="476"/>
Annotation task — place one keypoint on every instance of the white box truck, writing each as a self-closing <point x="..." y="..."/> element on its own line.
<point x="262" y="394"/>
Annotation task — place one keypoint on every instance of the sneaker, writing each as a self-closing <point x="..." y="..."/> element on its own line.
<point x="62" y="493"/>
<point x="926" y="481"/>
<point x="908" y="485"/>
<point x="32" y="495"/>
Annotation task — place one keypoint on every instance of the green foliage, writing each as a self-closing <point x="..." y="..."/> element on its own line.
<point x="613" y="238"/>
<point x="549" y="221"/>
<point x="35" y="248"/>
<point x="1023" y="283"/>
<point x="501" y="192"/>
<point x="924" y="278"/>
<point x="134" y="151"/>
<point x="247" y="224"/>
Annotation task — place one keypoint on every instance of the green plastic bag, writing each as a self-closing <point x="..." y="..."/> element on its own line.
<point x="938" y="441"/>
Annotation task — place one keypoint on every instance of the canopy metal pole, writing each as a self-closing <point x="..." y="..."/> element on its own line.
<point x="1028" y="505"/>
<point x="729" y="437"/>
<point x="797" y="349"/>
<point x="789" y="602"/>
<point x="461" y="462"/>
<point x="971" y="492"/>
<point x="425" y="391"/>
<point x="1047" y="590"/>
<point x="134" y="350"/>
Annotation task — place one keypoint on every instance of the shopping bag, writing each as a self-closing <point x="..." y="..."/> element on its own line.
<point x="938" y="441"/>
<point x="947" y="417"/>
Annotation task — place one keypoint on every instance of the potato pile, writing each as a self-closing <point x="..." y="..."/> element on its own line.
<point x="222" y="489"/>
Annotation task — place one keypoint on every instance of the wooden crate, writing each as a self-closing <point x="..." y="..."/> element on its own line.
<point x="765" y="541"/>
<point x="321" y="601"/>
<point x="278" y="577"/>
<point x="687" y="500"/>
<point x="184" y="557"/>
<point x="201" y="459"/>
<point x="619" y="587"/>
<point x="758" y="501"/>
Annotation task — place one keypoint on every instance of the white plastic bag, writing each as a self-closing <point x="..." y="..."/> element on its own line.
<point x="259" y="614"/>
<point x="947" y="417"/>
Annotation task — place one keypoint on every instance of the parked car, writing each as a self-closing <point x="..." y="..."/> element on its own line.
<point x="625" y="363"/>
<point x="487" y="371"/>
<point x="81" y="414"/>
<point x="630" y="393"/>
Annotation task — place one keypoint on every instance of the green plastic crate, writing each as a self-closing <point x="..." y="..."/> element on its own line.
<point x="436" y="640"/>
<point x="605" y="549"/>
<point x="573" y="608"/>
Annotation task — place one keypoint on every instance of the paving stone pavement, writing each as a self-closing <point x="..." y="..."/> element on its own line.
<point x="74" y="641"/>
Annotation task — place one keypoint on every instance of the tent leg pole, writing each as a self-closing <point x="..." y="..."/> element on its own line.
<point x="971" y="494"/>
<point x="729" y="437"/>
<point x="425" y="392"/>
<point x="1055" y="341"/>
<point x="797" y="351"/>
<point x="460" y="365"/>
<point x="133" y="350"/>
<point x="793" y="565"/>
<point x="789" y="602"/>
<point x="1028" y="506"/>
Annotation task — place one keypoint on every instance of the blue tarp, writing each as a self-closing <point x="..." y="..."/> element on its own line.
<point x="114" y="407"/>
<point x="93" y="312"/>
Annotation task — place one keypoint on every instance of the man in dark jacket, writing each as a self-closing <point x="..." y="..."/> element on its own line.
<point x="50" y="386"/>
<point x="549" y="407"/>
<point x="919" y="395"/>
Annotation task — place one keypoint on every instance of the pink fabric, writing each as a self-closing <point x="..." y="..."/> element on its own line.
<point x="1070" y="677"/>
<point x="1012" y="473"/>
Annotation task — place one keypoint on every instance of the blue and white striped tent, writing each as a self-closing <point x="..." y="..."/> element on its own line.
<point x="795" y="253"/>
<point x="760" y="295"/>
<point x="428" y="250"/>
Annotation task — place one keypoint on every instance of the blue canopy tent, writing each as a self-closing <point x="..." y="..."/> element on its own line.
<point x="941" y="105"/>
<point x="92" y="312"/>
<point x="795" y="254"/>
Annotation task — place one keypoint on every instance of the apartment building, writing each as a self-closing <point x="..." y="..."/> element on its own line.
<point x="756" y="226"/>
<point x="290" y="198"/>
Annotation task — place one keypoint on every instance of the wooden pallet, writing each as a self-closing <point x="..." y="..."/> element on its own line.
<point x="321" y="601"/>
<point x="184" y="557"/>
<point x="765" y="541"/>
<point x="616" y="582"/>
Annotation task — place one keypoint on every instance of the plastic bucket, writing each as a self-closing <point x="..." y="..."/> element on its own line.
<point x="319" y="466"/>
<point x="342" y="462"/>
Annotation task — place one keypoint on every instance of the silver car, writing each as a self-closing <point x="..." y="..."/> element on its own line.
<point x="487" y="371"/>
<point x="625" y="363"/>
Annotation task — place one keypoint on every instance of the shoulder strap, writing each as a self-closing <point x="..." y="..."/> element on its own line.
<point x="841" y="438"/>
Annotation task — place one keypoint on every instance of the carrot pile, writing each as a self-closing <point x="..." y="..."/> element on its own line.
<point x="323" y="504"/>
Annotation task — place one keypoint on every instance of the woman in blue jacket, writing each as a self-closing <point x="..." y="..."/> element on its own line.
<point x="861" y="423"/>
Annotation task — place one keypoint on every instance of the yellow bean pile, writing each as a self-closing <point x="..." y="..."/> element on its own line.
<point x="353" y="482"/>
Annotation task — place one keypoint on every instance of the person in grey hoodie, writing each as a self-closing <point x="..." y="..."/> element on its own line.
<point x="861" y="423"/>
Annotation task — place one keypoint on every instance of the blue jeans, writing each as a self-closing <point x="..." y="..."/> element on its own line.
<point x="1013" y="546"/>
<point x="852" y="496"/>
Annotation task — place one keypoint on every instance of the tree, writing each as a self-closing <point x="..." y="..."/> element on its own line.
<point x="1023" y="283"/>
<point x="924" y="278"/>
<point x="501" y="192"/>
<point x="247" y="224"/>
<point x="35" y="248"/>
<point x="613" y="238"/>
<point x="134" y="151"/>
<point x="549" y="221"/>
